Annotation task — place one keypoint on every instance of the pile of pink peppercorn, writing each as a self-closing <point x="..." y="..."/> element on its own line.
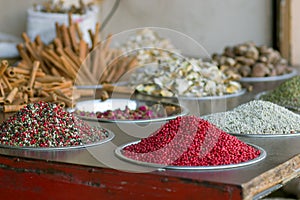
<point x="190" y="141"/>
<point x="47" y="125"/>
<point x="140" y="113"/>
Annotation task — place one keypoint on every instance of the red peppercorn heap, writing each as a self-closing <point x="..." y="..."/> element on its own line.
<point x="190" y="141"/>
<point x="47" y="125"/>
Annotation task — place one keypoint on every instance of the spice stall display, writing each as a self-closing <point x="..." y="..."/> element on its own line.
<point x="190" y="141"/>
<point x="287" y="94"/>
<point x="181" y="151"/>
<point x="257" y="117"/>
<point x="47" y="125"/>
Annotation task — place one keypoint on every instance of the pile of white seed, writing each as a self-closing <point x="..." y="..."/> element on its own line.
<point x="257" y="117"/>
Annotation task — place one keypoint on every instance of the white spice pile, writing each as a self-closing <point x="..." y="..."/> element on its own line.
<point x="257" y="117"/>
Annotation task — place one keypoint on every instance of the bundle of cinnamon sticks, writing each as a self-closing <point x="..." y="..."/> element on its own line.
<point x="71" y="57"/>
<point x="21" y="85"/>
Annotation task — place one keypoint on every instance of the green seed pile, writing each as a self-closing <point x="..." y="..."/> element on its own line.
<point x="257" y="117"/>
<point x="286" y="94"/>
<point x="48" y="125"/>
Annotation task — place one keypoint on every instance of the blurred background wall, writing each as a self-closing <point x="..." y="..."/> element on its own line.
<point x="214" y="24"/>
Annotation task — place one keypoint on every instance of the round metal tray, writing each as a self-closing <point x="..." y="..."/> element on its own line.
<point x="115" y="103"/>
<point x="270" y="78"/>
<point x="118" y="152"/>
<point x="110" y="136"/>
<point x="266" y="135"/>
<point x="241" y="92"/>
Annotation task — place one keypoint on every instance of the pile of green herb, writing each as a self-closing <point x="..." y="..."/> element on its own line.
<point x="286" y="94"/>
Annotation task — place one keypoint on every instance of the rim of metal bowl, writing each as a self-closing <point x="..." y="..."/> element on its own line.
<point x="110" y="136"/>
<point x="294" y="72"/>
<point x="266" y="135"/>
<point x="118" y="152"/>
<point x="225" y="96"/>
<point x="184" y="111"/>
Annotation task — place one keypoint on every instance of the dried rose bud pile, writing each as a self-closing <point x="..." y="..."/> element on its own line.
<point x="47" y="125"/>
<point x="190" y="141"/>
<point x="142" y="112"/>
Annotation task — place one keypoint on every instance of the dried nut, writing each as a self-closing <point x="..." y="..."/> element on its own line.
<point x="280" y="69"/>
<point x="259" y="70"/>
<point x="240" y="50"/>
<point x="283" y="61"/>
<point x="263" y="49"/>
<point x="273" y="72"/>
<point x="245" y="61"/>
<point x="228" y="51"/>
<point x="273" y="57"/>
<point x="248" y="55"/>
<point x="222" y="60"/>
<point x="230" y="62"/>
<point x="270" y="66"/>
<point x="245" y="70"/>
<point x="252" y="53"/>
<point x="250" y="44"/>
<point x="238" y="66"/>
<point x="216" y="57"/>
<point x="233" y="75"/>
<point x="224" y="68"/>
<point x="263" y="59"/>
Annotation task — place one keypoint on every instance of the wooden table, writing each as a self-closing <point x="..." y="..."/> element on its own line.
<point x="95" y="172"/>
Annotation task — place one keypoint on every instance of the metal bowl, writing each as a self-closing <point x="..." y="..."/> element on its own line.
<point x="110" y="136"/>
<point x="266" y="135"/>
<point x="127" y="130"/>
<point x="115" y="103"/>
<point x="119" y="154"/>
<point x="225" y="96"/>
<point x="270" y="78"/>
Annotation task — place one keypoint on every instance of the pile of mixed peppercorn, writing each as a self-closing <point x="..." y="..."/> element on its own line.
<point x="47" y="125"/>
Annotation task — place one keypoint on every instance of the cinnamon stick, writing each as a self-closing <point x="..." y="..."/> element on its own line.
<point x="79" y="32"/>
<point x="25" y="37"/>
<point x="49" y="79"/>
<point x="9" y="99"/>
<point x="13" y="71"/>
<point x="3" y="67"/>
<point x="65" y="36"/>
<point x="72" y="73"/>
<point x="23" y="54"/>
<point x="33" y="73"/>
<point x="58" y="43"/>
<point x="83" y="50"/>
<point x="72" y="33"/>
<point x="8" y="85"/>
<point x="12" y="108"/>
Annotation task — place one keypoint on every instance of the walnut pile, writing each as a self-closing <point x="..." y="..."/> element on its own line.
<point x="249" y="60"/>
